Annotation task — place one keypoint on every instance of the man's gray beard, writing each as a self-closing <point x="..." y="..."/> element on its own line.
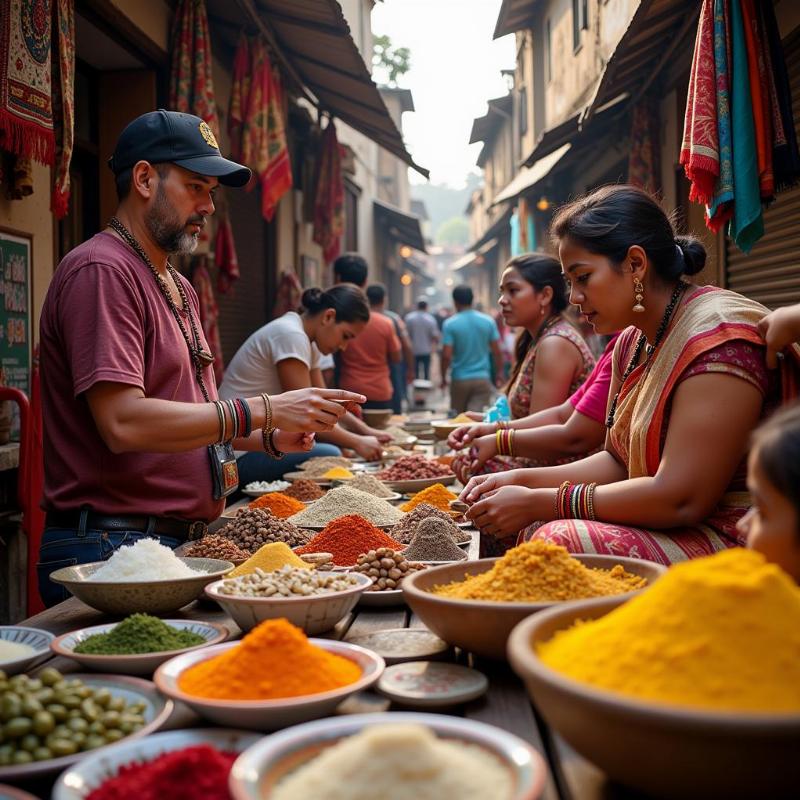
<point x="166" y="230"/>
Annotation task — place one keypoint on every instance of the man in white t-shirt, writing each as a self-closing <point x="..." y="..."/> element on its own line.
<point x="424" y="333"/>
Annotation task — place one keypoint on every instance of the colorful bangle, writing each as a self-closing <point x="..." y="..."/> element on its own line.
<point x="561" y="495"/>
<point x="220" y="421"/>
<point x="276" y="454"/>
<point x="498" y="441"/>
<point x="511" y="433"/>
<point x="590" y="502"/>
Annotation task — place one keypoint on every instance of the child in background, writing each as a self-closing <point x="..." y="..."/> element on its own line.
<point x="772" y="525"/>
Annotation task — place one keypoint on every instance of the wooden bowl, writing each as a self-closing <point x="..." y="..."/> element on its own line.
<point x="483" y="626"/>
<point x="669" y="751"/>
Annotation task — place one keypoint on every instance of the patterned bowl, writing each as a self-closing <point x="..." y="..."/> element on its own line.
<point x="268" y="715"/>
<point x="147" y="597"/>
<point x="33" y="637"/>
<point x="139" y="663"/>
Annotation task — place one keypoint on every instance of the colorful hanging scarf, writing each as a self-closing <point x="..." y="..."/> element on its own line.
<point x="700" y="147"/>
<point x="225" y="256"/>
<point x="746" y="226"/>
<point x="63" y="62"/>
<point x="263" y="141"/>
<point x="288" y="293"/>
<point x="209" y="314"/>
<point x="240" y="91"/>
<point x="759" y="91"/>
<point x="786" y="157"/>
<point x="329" y="196"/>
<point x="26" y="106"/>
<point x="191" y="89"/>
<point x="643" y="161"/>
<point x="720" y="210"/>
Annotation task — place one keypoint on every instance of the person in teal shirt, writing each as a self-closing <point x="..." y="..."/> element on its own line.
<point x="471" y="349"/>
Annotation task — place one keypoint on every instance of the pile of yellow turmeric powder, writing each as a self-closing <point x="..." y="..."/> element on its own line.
<point x="269" y="557"/>
<point x="540" y="572"/>
<point x="273" y="661"/>
<point x="437" y="496"/>
<point x="721" y="632"/>
<point x="338" y="473"/>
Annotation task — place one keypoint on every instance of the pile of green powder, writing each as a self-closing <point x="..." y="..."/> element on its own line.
<point x="138" y="633"/>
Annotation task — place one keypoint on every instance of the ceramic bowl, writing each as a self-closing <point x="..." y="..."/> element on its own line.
<point x="261" y="767"/>
<point x="670" y="751"/>
<point x="482" y="626"/>
<point x="157" y="711"/>
<point x="314" y="614"/>
<point x="377" y="417"/>
<point x="89" y="773"/>
<point x="39" y="640"/>
<point x="418" y="484"/>
<point x="139" y="664"/>
<point x="268" y="715"/>
<point x="442" y="428"/>
<point x="147" y="597"/>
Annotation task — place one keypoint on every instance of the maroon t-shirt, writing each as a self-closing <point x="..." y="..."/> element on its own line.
<point x="105" y="319"/>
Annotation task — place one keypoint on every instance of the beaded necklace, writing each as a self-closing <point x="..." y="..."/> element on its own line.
<point x="649" y="350"/>
<point x="200" y="357"/>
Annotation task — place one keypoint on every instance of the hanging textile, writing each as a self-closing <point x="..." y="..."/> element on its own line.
<point x="63" y="79"/>
<point x="209" y="313"/>
<point x="700" y="147"/>
<point x="240" y="91"/>
<point x="785" y="155"/>
<point x="289" y="292"/>
<point x="720" y="209"/>
<point x="263" y="141"/>
<point x="643" y="161"/>
<point x="26" y="106"/>
<point x="329" y="196"/>
<point x="191" y="89"/>
<point x="527" y="232"/>
<point x="225" y="256"/>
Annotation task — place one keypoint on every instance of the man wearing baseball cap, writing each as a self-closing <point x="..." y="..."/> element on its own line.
<point x="136" y="442"/>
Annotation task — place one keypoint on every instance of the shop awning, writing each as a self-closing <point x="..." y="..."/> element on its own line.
<point x="404" y="227"/>
<point x="514" y="15"/>
<point x="313" y="42"/>
<point x="472" y="257"/>
<point x="657" y="29"/>
<point x="528" y="177"/>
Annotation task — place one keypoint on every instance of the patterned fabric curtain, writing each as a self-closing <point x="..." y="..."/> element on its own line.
<point x="643" y="161"/>
<point x="63" y="77"/>
<point x="329" y="196"/>
<point x="191" y="89"/>
<point x="287" y="298"/>
<point x="225" y="255"/>
<point x="209" y="313"/>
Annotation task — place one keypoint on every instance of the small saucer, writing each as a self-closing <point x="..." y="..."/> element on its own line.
<point x="397" y="645"/>
<point x="428" y="684"/>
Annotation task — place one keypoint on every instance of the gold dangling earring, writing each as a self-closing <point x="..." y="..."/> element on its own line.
<point x="638" y="290"/>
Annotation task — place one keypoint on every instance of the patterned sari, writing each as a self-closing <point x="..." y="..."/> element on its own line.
<point x="711" y="321"/>
<point x="520" y="391"/>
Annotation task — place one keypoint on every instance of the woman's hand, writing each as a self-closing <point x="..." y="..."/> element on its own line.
<point x="381" y="436"/>
<point x="780" y="328"/>
<point x="506" y="511"/>
<point x="291" y="442"/>
<point x="481" y="484"/>
<point x="475" y="416"/>
<point x="462" y="436"/>
<point x="369" y="448"/>
<point x="311" y="409"/>
<point x="481" y="451"/>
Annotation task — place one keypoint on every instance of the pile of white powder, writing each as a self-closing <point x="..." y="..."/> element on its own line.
<point x="145" y="560"/>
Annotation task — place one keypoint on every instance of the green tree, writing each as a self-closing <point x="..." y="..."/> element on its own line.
<point x="453" y="231"/>
<point x="390" y="62"/>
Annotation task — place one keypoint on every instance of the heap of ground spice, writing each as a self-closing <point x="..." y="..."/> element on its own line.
<point x="437" y="496"/>
<point x="280" y="504"/>
<point x="275" y="660"/>
<point x="196" y="771"/>
<point x="365" y="482"/>
<point x="346" y="538"/>
<point x="405" y="529"/>
<point x="434" y="542"/>
<point x="338" y="474"/>
<point x="304" y="490"/>
<point x="344" y="500"/>
<point x="317" y="466"/>
<point x="540" y="572"/>
<point x="269" y="558"/>
<point x="139" y="633"/>
<point x="213" y="546"/>
<point x="721" y="632"/>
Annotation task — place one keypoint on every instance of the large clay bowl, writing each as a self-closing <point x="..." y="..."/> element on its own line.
<point x="665" y="750"/>
<point x="483" y="627"/>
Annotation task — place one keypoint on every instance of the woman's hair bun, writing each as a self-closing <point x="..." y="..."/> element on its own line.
<point x="313" y="300"/>
<point x="694" y="254"/>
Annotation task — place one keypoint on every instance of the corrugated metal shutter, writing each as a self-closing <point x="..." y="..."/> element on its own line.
<point x="771" y="272"/>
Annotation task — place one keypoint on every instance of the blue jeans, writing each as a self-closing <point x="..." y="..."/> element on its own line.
<point x="422" y="363"/>
<point x="398" y="372"/>
<point x="66" y="547"/>
<point x="258" y="466"/>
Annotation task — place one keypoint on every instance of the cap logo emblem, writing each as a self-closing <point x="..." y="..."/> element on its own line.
<point x="208" y="135"/>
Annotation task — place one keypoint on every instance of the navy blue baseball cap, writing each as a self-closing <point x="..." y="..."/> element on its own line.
<point x="183" y="139"/>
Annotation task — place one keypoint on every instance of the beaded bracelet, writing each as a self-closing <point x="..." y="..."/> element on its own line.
<point x="276" y="454"/>
<point x="268" y="430"/>
<point x="590" y="502"/>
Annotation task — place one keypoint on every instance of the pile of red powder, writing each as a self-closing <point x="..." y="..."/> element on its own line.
<point x="346" y="538"/>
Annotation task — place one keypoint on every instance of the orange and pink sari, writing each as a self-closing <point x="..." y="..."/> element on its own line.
<point x="714" y="331"/>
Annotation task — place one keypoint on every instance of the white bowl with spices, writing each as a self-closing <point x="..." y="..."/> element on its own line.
<point x="314" y="613"/>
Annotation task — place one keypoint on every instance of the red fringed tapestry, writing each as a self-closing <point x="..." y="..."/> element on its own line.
<point x="329" y="197"/>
